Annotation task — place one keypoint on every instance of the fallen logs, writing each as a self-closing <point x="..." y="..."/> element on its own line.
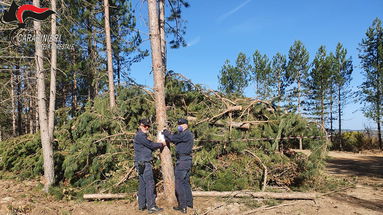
<point x="261" y="195"/>
<point x="96" y="196"/>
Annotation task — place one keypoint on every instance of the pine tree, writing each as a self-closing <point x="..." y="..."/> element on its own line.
<point x="233" y="80"/>
<point x="317" y="85"/>
<point x="297" y="69"/>
<point x="343" y="70"/>
<point x="52" y="89"/>
<point x="108" y="42"/>
<point x="43" y="117"/>
<point x="159" y="86"/>
<point x="279" y="76"/>
<point x="262" y="75"/>
<point x="371" y="90"/>
<point x="126" y="40"/>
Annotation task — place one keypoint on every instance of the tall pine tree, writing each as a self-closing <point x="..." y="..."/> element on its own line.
<point x="342" y="69"/>
<point x="371" y="90"/>
<point x="234" y="79"/>
<point x="317" y="86"/>
<point x="298" y="66"/>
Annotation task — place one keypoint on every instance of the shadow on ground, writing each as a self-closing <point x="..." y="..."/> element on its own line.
<point x="371" y="166"/>
<point x="376" y="205"/>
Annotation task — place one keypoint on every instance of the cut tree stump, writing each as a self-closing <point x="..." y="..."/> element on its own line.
<point x="263" y="195"/>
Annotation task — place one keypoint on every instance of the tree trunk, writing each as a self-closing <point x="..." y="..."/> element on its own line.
<point x="299" y="93"/>
<point x="379" y="132"/>
<point x="263" y="195"/>
<point x="105" y="196"/>
<point x="108" y="41"/>
<point x="74" y="88"/>
<point x="159" y="89"/>
<point x="31" y="108"/>
<point x="13" y="105"/>
<point x="340" y="119"/>
<point x="322" y="111"/>
<point x="52" y="91"/>
<point x="162" y="33"/>
<point x="18" y="101"/>
<point x="43" y="119"/>
<point x="331" y="117"/>
<point x="37" y="124"/>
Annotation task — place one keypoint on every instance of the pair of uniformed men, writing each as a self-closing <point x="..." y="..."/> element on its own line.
<point x="143" y="148"/>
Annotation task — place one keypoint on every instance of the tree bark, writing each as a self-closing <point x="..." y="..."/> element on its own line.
<point x="105" y="196"/>
<point x="162" y="33"/>
<point x="13" y="105"/>
<point x="159" y="89"/>
<point x="43" y="119"/>
<point x="299" y="93"/>
<point x="18" y="101"/>
<point x="108" y="41"/>
<point x="340" y="119"/>
<point x="52" y="91"/>
<point x="31" y="108"/>
<point x="263" y="195"/>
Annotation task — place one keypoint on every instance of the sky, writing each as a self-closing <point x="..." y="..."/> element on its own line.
<point x="219" y="29"/>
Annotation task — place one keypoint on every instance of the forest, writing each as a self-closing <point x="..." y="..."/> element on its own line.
<point x="69" y="108"/>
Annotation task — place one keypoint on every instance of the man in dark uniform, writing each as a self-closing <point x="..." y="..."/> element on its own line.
<point x="143" y="149"/>
<point x="183" y="140"/>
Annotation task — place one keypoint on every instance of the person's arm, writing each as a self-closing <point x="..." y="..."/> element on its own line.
<point x="147" y="143"/>
<point x="174" y="138"/>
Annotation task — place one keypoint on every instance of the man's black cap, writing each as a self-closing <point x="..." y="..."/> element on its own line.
<point x="145" y="122"/>
<point x="182" y="121"/>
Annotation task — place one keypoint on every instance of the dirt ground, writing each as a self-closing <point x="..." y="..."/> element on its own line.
<point x="365" y="198"/>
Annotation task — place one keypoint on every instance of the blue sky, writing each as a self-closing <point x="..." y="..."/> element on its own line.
<point x="219" y="29"/>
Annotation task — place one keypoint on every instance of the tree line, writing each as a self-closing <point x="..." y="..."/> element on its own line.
<point x="318" y="89"/>
<point x="104" y="41"/>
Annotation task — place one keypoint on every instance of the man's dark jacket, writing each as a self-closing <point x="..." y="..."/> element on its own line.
<point x="143" y="147"/>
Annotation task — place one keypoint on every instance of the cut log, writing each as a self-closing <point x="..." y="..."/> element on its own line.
<point x="105" y="196"/>
<point x="233" y="124"/>
<point x="262" y="195"/>
<point x="228" y="110"/>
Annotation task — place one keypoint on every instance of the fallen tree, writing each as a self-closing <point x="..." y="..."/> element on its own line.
<point x="262" y="195"/>
<point x="96" y="196"/>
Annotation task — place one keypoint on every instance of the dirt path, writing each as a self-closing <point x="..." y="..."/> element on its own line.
<point x="366" y="198"/>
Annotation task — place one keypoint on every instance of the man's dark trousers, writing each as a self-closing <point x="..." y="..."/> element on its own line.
<point x="182" y="177"/>
<point x="146" y="196"/>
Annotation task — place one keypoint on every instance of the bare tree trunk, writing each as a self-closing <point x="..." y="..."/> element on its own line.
<point x="159" y="89"/>
<point x="52" y="96"/>
<point x="331" y="113"/>
<point x="74" y="92"/>
<point x="31" y="125"/>
<point x="299" y="93"/>
<point x="43" y="118"/>
<point x="18" y="101"/>
<point x="13" y="105"/>
<point x="378" y="121"/>
<point x="37" y="124"/>
<point x="162" y="32"/>
<point x="340" y="120"/>
<point x="265" y="195"/>
<point x="112" y="99"/>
